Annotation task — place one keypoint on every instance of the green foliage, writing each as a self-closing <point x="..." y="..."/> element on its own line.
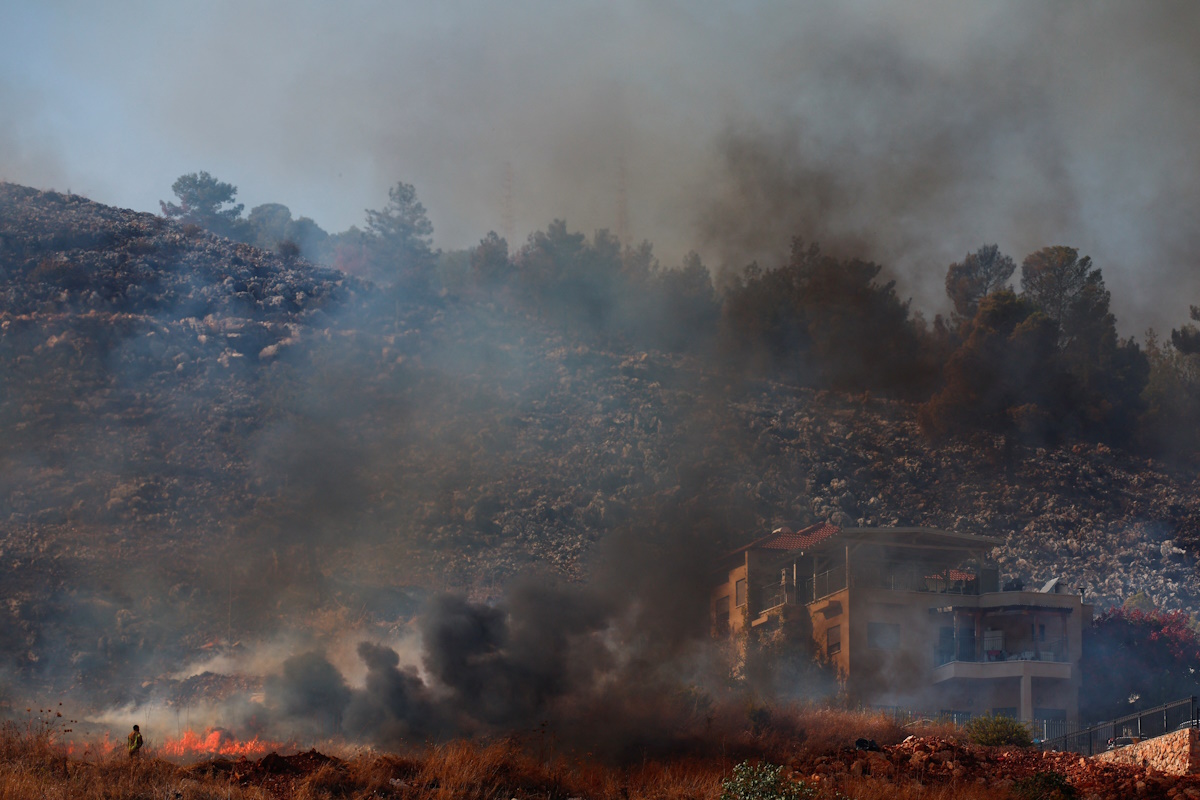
<point x="763" y="782"/>
<point x="202" y="201"/>
<point x="1003" y="378"/>
<point x="985" y="271"/>
<point x="824" y="321"/>
<point x="1043" y="786"/>
<point x="399" y="241"/>
<point x="1170" y="420"/>
<point x="271" y="227"/>
<point x="490" y="265"/>
<point x="1054" y="279"/>
<point x="995" y="731"/>
<point x="1186" y="338"/>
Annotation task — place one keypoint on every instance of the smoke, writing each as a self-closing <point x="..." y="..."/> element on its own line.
<point x="906" y="133"/>
<point x="606" y="664"/>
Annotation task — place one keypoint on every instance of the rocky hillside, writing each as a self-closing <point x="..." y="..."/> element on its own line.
<point x="196" y="424"/>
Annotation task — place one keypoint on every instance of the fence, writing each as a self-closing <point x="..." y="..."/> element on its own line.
<point x="1143" y="724"/>
<point x="1059" y="734"/>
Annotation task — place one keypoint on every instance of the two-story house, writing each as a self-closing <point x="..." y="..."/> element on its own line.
<point x="912" y="617"/>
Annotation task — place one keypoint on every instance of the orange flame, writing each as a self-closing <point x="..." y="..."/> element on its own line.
<point x="101" y="748"/>
<point x="215" y="742"/>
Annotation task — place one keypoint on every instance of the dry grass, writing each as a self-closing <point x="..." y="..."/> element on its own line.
<point x="877" y="789"/>
<point x="33" y="766"/>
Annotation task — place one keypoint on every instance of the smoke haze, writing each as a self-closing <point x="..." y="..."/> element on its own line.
<point x="908" y="133"/>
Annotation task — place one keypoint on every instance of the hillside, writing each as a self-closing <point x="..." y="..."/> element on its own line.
<point x="205" y="440"/>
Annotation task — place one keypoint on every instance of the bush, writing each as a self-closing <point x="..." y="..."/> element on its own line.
<point x="996" y="731"/>
<point x="1043" y="786"/>
<point x="763" y="782"/>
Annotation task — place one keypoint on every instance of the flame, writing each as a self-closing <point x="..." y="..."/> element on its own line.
<point x="101" y="748"/>
<point x="214" y="742"/>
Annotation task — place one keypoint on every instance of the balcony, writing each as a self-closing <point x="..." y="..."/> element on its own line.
<point x="824" y="584"/>
<point x="1036" y="659"/>
<point x="914" y="578"/>
<point x="992" y="670"/>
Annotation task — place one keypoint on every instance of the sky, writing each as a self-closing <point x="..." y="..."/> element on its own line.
<point x="909" y="133"/>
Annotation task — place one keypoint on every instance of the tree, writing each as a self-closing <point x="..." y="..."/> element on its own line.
<point x="1053" y="279"/>
<point x="1170" y="422"/>
<point x="1004" y="379"/>
<point x="1186" y="338"/>
<point x="828" y="316"/>
<point x="684" y="306"/>
<point x="201" y="201"/>
<point x="270" y="226"/>
<point x="490" y="266"/>
<point x="1108" y="373"/>
<point x="399" y="238"/>
<point x="1151" y="654"/>
<point x="979" y="274"/>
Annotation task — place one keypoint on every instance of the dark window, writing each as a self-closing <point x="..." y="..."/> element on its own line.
<point x="883" y="636"/>
<point x="740" y="590"/>
<point x="722" y="614"/>
<point x="833" y="640"/>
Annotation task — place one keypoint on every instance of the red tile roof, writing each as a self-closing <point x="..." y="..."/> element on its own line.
<point x="787" y="539"/>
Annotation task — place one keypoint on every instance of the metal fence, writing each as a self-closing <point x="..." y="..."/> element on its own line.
<point x="1143" y="724"/>
<point x="824" y="584"/>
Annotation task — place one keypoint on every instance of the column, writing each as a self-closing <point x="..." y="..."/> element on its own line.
<point x="1026" y="696"/>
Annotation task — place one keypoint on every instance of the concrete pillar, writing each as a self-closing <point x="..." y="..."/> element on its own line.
<point x="1026" y="698"/>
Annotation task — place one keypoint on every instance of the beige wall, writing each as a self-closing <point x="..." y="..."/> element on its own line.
<point x="897" y="668"/>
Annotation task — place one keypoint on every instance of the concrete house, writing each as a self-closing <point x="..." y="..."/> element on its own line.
<point x="911" y="617"/>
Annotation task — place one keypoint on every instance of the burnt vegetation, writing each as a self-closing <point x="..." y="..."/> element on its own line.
<point x="224" y="425"/>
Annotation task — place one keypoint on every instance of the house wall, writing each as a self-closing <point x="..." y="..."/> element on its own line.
<point x="728" y="589"/>
<point x="827" y="613"/>
<point x="887" y="640"/>
<point x="896" y="661"/>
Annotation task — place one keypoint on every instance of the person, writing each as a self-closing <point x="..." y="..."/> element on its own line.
<point x="135" y="742"/>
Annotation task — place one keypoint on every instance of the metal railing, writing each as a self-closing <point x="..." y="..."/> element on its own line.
<point x="1055" y="651"/>
<point x="909" y="578"/>
<point x="773" y="595"/>
<point x="824" y="584"/>
<point x="1144" y="724"/>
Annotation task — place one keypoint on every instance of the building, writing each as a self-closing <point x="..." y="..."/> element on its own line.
<point x="911" y="617"/>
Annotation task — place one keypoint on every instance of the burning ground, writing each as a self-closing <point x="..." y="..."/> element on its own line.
<point x="814" y="748"/>
<point x="225" y="471"/>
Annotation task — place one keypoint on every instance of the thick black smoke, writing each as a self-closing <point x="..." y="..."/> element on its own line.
<point x="610" y="664"/>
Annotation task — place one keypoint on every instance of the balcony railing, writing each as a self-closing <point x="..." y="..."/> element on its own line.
<point x="1055" y="650"/>
<point x="773" y="595"/>
<point x="824" y="584"/>
<point x="911" y="578"/>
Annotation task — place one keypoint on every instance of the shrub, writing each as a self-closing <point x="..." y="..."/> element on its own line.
<point x="995" y="731"/>
<point x="1043" y="786"/>
<point x="763" y="782"/>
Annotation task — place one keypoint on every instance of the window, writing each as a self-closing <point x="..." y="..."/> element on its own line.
<point x="833" y="640"/>
<point x="1011" y="713"/>
<point x="722" y="614"/>
<point x="883" y="636"/>
<point x="740" y="590"/>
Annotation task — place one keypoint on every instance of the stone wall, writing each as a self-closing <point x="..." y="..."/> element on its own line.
<point x="1175" y="753"/>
